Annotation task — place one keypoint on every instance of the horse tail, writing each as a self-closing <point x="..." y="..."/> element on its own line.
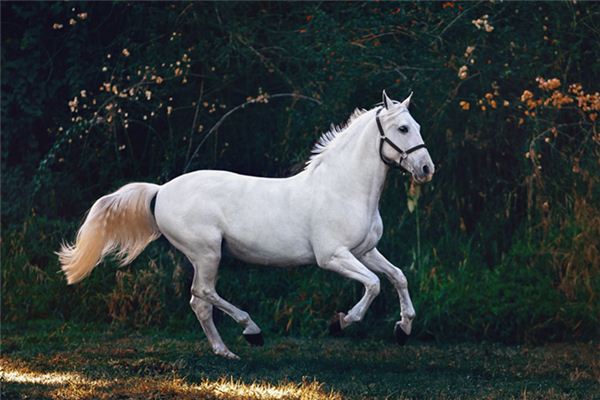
<point x="120" y="222"/>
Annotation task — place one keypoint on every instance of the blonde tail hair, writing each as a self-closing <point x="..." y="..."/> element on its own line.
<point x="121" y="221"/>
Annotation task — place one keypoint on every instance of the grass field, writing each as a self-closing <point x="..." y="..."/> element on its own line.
<point x="70" y="361"/>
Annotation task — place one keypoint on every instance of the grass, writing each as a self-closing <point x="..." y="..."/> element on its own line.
<point x="47" y="359"/>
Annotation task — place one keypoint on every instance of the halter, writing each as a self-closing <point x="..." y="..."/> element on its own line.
<point x="385" y="139"/>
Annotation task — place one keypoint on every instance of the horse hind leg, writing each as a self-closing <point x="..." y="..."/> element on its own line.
<point x="206" y="266"/>
<point x="203" y="311"/>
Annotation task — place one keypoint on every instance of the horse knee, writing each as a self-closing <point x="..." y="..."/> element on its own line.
<point x="373" y="286"/>
<point x="402" y="281"/>
<point x="397" y="277"/>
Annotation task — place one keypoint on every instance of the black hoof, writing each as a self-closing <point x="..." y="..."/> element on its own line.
<point x="401" y="337"/>
<point x="335" y="328"/>
<point x="255" y="339"/>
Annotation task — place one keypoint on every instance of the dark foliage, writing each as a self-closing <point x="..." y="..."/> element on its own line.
<point x="503" y="244"/>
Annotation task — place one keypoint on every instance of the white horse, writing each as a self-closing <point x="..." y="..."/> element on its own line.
<point x="327" y="214"/>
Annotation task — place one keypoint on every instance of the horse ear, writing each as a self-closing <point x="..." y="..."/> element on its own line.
<point x="386" y="100"/>
<point x="406" y="102"/>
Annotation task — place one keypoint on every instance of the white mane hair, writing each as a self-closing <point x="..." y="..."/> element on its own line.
<point x="328" y="138"/>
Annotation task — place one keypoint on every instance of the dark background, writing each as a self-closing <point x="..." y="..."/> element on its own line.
<point x="503" y="244"/>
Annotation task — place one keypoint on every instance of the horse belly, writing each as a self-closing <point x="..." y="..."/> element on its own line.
<point x="268" y="226"/>
<point x="276" y="247"/>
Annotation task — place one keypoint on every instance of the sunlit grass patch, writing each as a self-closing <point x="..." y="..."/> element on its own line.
<point x="70" y="385"/>
<point x="14" y="374"/>
<point x="225" y="388"/>
<point x="59" y="385"/>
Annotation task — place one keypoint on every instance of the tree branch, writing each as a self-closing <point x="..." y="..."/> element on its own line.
<point x="238" y="107"/>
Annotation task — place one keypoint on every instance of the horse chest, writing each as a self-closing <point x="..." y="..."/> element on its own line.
<point x="370" y="238"/>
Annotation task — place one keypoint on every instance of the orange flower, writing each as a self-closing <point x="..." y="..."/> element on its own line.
<point x="576" y="88"/>
<point x="549" y="84"/>
<point x="468" y="51"/>
<point x="526" y="95"/>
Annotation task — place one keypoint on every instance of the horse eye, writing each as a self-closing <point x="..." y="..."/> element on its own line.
<point x="403" y="129"/>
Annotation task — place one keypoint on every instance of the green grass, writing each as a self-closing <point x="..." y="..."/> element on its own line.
<point x="48" y="359"/>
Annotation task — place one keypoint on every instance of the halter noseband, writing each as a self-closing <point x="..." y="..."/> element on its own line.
<point x="385" y="139"/>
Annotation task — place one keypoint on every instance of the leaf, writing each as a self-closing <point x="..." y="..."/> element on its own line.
<point x="411" y="204"/>
<point x="414" y="192"/>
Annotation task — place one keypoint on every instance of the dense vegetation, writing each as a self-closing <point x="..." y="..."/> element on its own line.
<point x="503" y="244"/>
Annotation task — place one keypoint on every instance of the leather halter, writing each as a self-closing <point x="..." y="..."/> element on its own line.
<point x="403" y="153"/>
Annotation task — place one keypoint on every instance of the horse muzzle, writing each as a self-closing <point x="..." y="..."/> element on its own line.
<point x="424" y="171"/>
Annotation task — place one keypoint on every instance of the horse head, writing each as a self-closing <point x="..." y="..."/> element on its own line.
<point x="401" y="144"/>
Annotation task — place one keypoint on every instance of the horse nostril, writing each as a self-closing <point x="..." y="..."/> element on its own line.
<point x="426" y="169"/>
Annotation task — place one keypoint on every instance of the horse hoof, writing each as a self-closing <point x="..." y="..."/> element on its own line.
<point x="255" y="339"/>
<point x="401" y="336"/>
<point x="335" y="327"/>
<point x="226" y="353"/>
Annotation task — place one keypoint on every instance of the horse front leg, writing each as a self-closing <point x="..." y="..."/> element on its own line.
<point x="375" y="261"/>
<point x="345" y="264"/>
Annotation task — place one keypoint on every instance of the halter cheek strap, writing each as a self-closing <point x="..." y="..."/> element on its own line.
<point x="403" y="153"/>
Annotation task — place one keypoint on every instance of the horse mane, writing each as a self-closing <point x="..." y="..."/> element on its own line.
<point x="329" y="137"/>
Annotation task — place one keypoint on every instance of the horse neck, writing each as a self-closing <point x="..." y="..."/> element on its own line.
<point x="354" y="166"/>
